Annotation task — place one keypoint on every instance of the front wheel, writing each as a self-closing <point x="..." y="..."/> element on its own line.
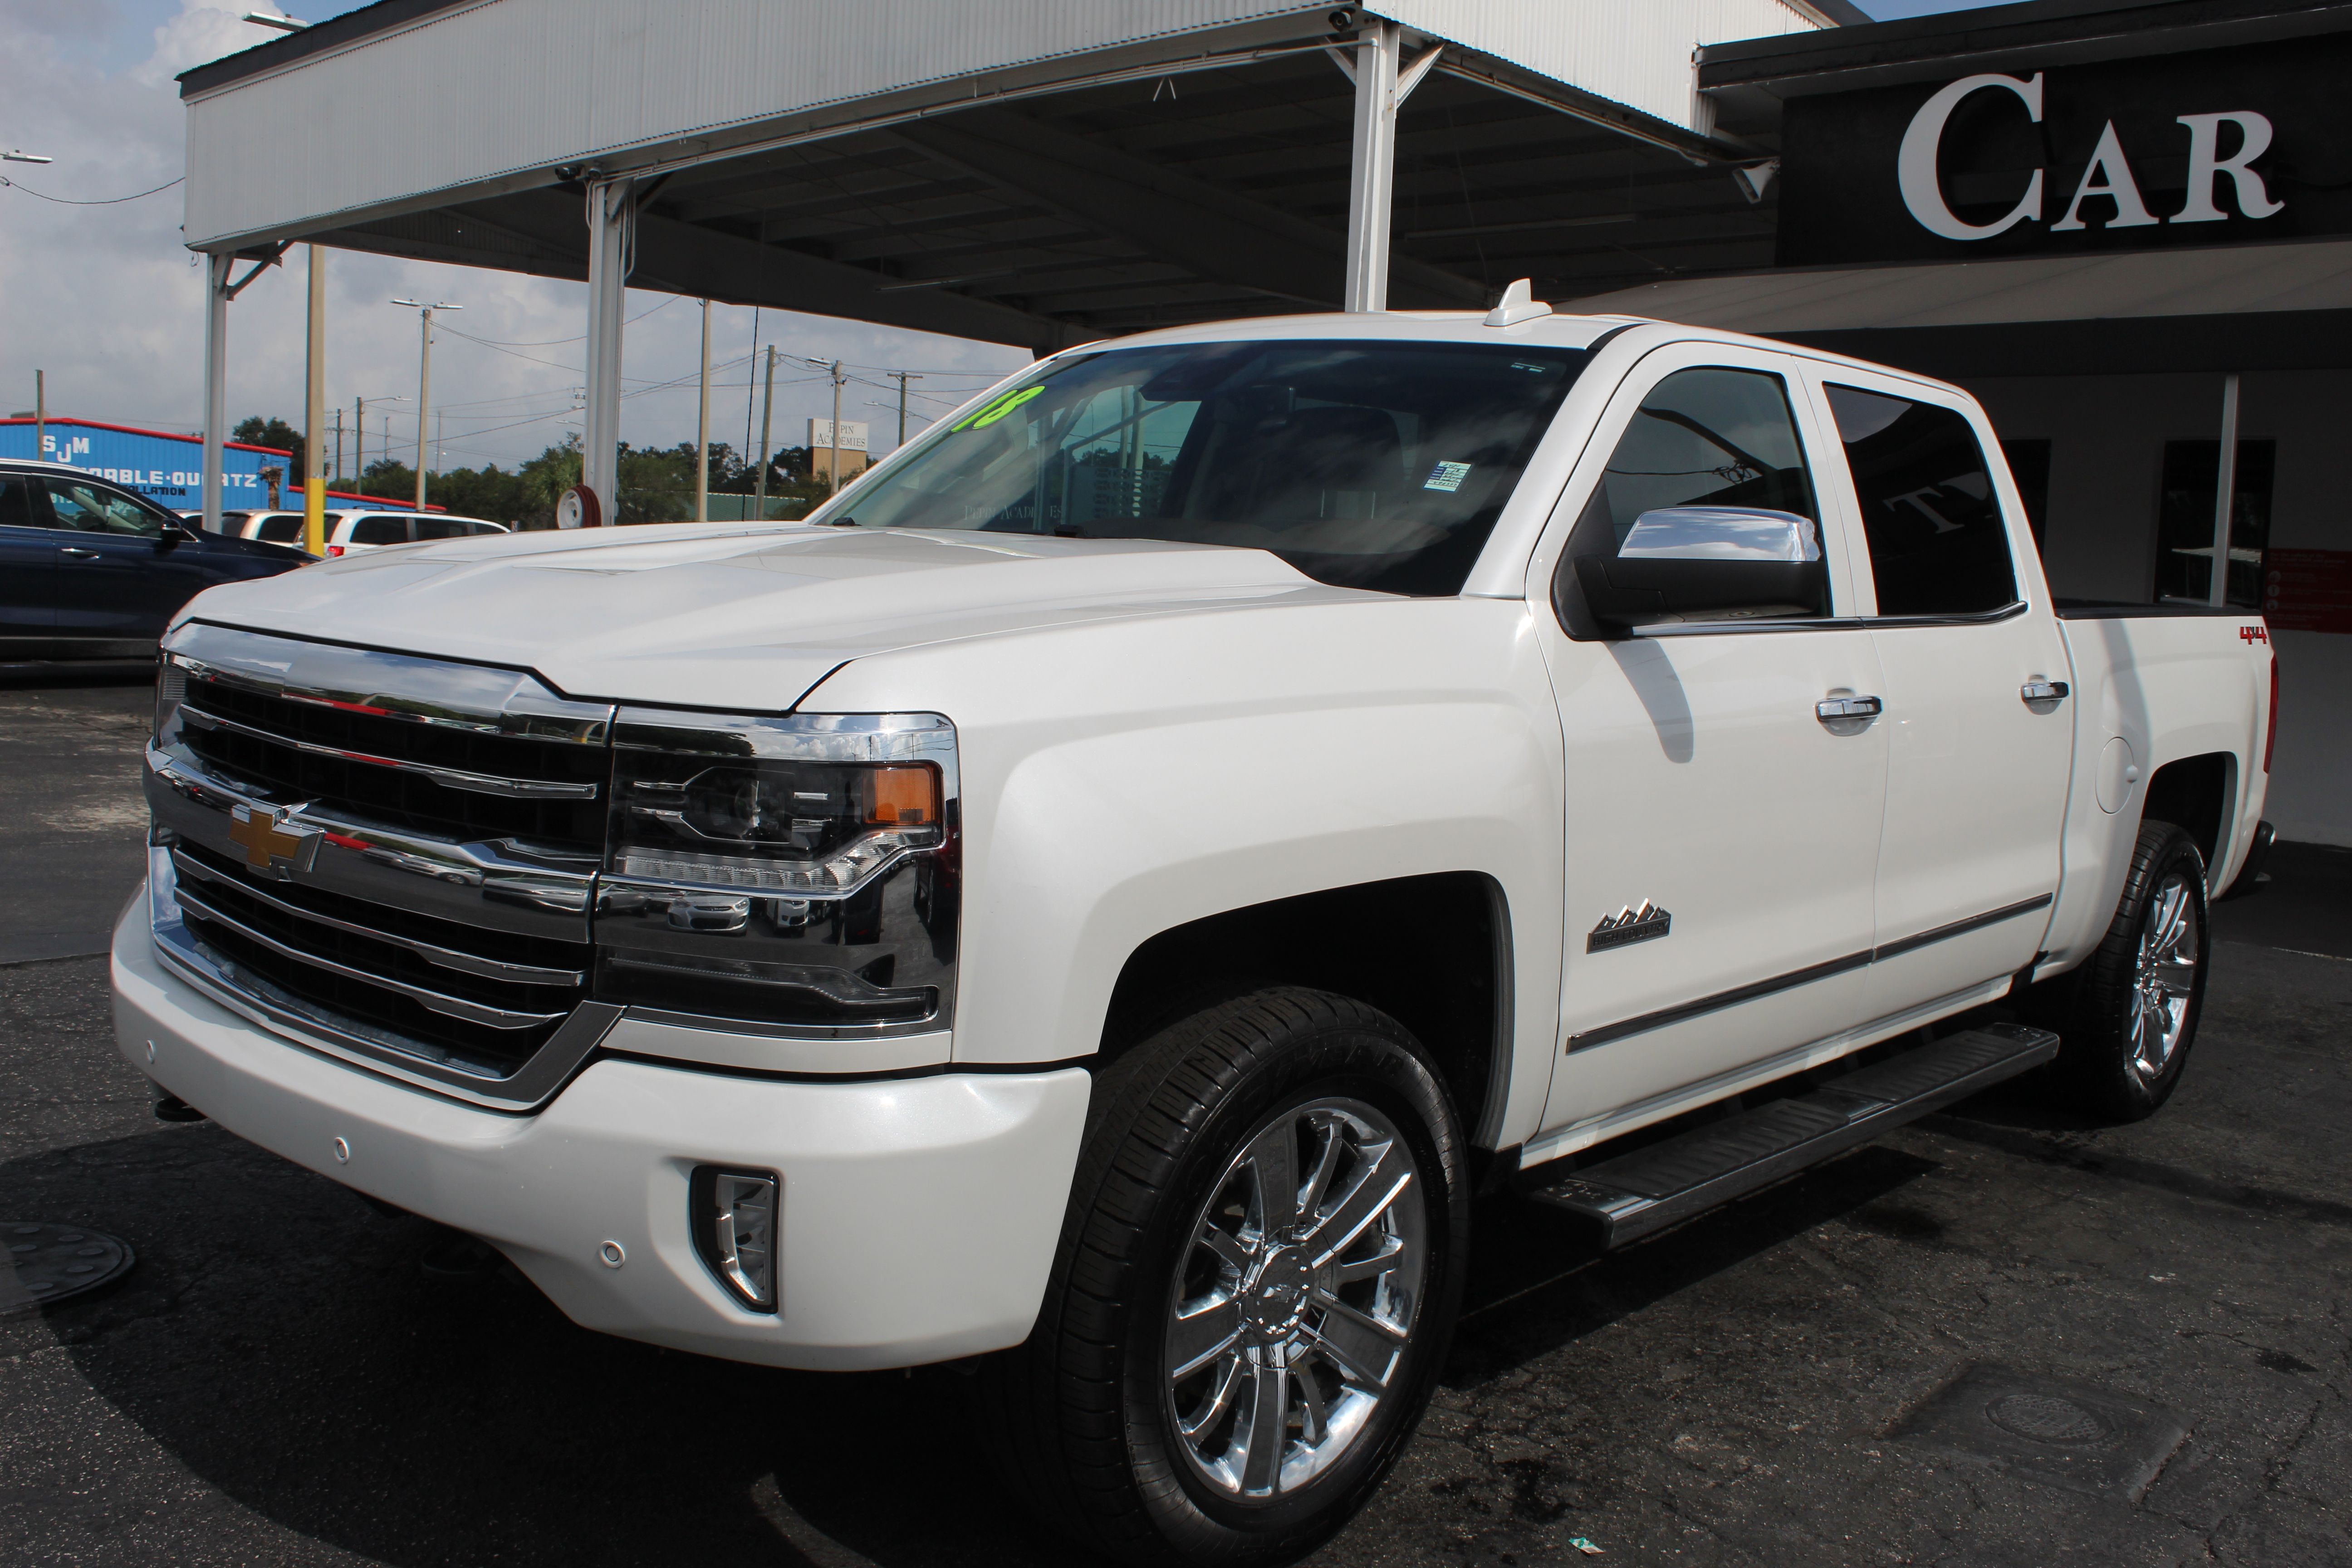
<point x="1254" y="1292"/>
<point x="2129" y="1013"/>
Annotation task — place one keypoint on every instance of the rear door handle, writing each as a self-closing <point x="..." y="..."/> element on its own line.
<point x="1830" y="709"/>
<point x="2039" y="690"/>
<point x="77" y="552"/>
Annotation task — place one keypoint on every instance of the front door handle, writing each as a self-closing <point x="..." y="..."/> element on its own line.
<point x="77" y="552"/>
<point x="1829" y="710"/>
<point x="2039" y="690"/>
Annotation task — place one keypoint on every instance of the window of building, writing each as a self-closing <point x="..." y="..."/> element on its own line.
<point x="2184" y="521"/>
<point x="1930" y="512"/>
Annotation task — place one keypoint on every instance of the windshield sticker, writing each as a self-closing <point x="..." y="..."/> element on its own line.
<point x="1446" y="476"/>
<point x="991" y="412"/>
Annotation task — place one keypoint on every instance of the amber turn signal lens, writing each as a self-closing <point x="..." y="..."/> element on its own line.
<point x="903" y="796"/>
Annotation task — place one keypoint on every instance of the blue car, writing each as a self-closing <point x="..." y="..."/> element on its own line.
<point x="89" y="570"/>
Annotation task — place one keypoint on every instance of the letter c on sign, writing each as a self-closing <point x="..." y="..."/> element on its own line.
<point x="1914" y="163"/>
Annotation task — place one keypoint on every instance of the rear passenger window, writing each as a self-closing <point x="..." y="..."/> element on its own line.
<point x="281" y="530"/>
<point x="439" y="528"/>
<point x="15" y="505"/>
<point x="380" y="530"/>
<point x="1938" y="543"/>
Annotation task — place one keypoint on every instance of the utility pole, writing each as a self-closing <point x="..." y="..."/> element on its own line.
<point x="314" y="409"/>
<point x="834" y="475"/>
<point x="902" y="377"/>
<point x="339" y="445"/>
<point x="702" y="429"/>
<point x="424" y="384"/>
<point x="767" y="410"/>
<point x="40" y="415"/>
<point x="359" y="440"/>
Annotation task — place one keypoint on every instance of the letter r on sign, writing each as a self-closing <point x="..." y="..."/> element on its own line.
<point x="2205" y="166"/>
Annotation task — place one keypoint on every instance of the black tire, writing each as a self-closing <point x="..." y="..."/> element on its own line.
<point x="2105" y="1026"/>
<point x="1082" y="1419"/>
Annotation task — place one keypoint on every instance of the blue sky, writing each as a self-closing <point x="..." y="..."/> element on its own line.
<point x="108" y="301"/>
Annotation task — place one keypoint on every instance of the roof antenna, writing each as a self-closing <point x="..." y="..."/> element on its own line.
<point x="1517" y="305"/>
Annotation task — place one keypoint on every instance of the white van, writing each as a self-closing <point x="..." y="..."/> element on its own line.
<point x="354" y="532"/>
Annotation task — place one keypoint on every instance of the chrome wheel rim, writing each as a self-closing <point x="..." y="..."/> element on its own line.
<point x="1295" y="1299"/>
<point x="2164" y="978"/>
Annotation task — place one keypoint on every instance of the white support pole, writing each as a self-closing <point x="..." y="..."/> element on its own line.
<point x="216" y="265"/>
<point x="612" y="213"/>
<point x="702" y="429"/>
<point x="2225" y="482"/>
<point x="1371" y="169"/>
<point x="424" y="397"/>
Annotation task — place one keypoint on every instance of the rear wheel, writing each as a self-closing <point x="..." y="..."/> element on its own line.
<point x="2129" y="1016"/>
<point x="1254" y="1292"/>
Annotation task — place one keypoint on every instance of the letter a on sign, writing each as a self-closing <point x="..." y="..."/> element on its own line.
<point x="2115" y="183"/>
<point x="1914" y="162"/>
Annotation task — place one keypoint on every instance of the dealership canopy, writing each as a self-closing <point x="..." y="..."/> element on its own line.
<point x="1029" y="172"/>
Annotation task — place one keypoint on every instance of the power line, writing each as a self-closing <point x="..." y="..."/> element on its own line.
<point x="69" y="201"/>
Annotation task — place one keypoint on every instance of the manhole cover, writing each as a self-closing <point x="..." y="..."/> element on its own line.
<point x="52" y="1262"/>
<point x="2045" y="1418"/>
<point x="2069" y="1434"/>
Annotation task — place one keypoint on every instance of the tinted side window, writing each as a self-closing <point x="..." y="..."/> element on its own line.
<point x="1708" y="438"/>
<point x="1937" y="544"/>
<point x="285" y="529"/>
<point x="94" y="510"/>
<point x="380" y="530"/>
<point x="17" y="505"/>
<point x="439" y="528"/>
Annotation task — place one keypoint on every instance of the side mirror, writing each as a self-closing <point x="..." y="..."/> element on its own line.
<point x="1708" y="562"/>
<point x="172" y="533"/>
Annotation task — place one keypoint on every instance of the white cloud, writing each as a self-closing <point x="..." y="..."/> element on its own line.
<point x="110" y="303"/>
<point x="200" y="32"/>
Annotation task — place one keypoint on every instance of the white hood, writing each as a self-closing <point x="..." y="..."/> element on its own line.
<point x="732" y="615"/>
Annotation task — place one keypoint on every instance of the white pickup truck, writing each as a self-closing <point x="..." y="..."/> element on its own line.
<point x="1097" y="901"/>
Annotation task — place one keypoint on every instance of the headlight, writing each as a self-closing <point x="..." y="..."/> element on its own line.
<point x="797" y="871"/>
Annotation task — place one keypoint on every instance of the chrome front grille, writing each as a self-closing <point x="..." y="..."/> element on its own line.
<point x="389" y="858"/>
<point x="438" y="778"/>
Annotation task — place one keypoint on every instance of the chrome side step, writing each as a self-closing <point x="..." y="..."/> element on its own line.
<point x="1637" y="1195"/>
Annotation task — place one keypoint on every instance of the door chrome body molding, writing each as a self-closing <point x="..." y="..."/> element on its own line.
<point x="1646" y="1023"/>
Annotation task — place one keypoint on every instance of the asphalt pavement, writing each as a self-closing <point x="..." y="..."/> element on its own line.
<point x="1999" y="1337"/>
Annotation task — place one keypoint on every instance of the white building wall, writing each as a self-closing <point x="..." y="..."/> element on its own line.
<point x="2107" y="434"/>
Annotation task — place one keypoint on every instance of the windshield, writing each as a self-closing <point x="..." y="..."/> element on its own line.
<point x="1370" y="465"/>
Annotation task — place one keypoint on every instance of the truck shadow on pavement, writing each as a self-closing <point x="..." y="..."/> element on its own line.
<point x="279" y="1342"/>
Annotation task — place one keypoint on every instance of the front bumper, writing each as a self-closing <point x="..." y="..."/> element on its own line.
<point x="919" y="1217"/>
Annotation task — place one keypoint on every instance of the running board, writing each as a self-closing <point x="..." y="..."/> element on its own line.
<point x="1637" y="1195"/>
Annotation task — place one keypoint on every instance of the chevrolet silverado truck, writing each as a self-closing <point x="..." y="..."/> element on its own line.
<point x="1097" y="902"/>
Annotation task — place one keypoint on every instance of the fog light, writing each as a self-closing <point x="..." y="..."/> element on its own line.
<point x="734" y="1222"/>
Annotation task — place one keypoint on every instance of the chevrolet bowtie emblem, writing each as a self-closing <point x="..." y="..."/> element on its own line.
<point x="269" y="845"/>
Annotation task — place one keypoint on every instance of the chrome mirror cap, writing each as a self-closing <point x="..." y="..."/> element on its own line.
<point x="1721" y="533"/>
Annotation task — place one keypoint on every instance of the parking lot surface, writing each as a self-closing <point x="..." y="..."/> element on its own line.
<point x="1997" y="1337"/>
